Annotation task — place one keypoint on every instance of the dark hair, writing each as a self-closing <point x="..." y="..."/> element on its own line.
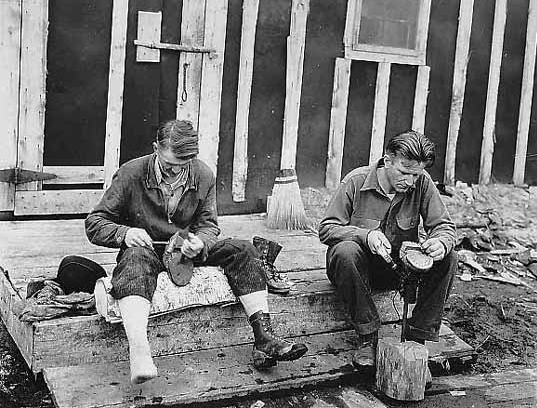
<point x="412" y="145"/>
<point x="180" y="137"/>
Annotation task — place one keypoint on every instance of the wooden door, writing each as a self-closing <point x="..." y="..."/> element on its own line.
<point x="66" y="84"/>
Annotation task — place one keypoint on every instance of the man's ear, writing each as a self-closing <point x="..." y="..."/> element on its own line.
<point x="387" y="159"/>
<point x="155" y="147"/>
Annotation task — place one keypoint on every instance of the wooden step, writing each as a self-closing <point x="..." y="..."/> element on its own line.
<point x="312" y="307"/>
<point x="211" y="375"/>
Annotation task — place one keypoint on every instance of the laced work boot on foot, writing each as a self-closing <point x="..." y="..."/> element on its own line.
<point x="269" y="348"/>
<point x="277" y="282"/>
<point x="365" y="356"/>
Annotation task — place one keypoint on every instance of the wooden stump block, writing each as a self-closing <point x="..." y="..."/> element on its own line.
<point x="401" y="369"/>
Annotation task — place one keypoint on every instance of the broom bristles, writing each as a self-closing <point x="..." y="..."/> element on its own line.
<point x="285" y="209"/>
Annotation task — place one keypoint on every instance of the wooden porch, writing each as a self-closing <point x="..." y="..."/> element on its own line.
<point x="203" y="354"/>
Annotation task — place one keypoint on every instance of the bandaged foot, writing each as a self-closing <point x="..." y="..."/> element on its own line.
<point x="142" y="367"/>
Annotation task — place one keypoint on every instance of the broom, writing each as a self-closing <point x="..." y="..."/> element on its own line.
<point x="285" y="209"/>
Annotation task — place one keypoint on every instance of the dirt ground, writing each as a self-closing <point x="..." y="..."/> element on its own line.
<point x="497" y="317"/>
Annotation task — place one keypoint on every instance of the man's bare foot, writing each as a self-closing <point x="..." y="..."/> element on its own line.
<point x="142" y="368"/>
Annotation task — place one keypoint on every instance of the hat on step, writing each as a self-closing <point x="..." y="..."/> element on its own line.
<point x="78" y="274"/>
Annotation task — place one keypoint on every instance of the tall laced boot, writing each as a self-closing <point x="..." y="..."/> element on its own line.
<point x="365" y="355"/>
<point x="269" y="348"/>
<point x="277" y="282"/>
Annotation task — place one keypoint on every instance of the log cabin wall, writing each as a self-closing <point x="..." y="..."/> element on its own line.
<point x="78" y="75"/>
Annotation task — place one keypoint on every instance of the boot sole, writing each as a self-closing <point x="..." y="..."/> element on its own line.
<point x="295" y="353"/>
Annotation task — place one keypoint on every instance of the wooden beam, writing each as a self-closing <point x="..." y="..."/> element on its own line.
<point x="420" y="98"/>
<point x="526" y="96"/>
<point x="246" y="68"/>
<point x="116" y="85"/>
<point x="296" y="42"/>
<point x="149" y="28"/>
<point x="75" y="174"/>
<point x="338" y="119"/>
<point x="55" y="202"/>
<point x="459" y="85"/>
<point x="379" y="114"/>
<point x="10" y="42"/>
<point x="190" y="64"/>
<point x="211" y="82"/>
<point x="487" y="145"/>
<point x="32" y="96"/>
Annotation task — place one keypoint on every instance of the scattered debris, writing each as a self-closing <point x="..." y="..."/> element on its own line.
<point x="258" y="404"/>
<point x="457" y="393"/>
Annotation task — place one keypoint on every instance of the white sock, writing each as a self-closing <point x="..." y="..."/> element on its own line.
<point x="255" y="302"/>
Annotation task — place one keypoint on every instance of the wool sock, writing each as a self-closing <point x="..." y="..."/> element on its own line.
<point x="255" y="302"/>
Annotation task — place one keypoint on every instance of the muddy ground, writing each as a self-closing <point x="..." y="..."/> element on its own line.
<point x="499" y="319"/>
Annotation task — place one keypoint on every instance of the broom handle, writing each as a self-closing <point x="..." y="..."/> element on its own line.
<point x="293" y="84"/>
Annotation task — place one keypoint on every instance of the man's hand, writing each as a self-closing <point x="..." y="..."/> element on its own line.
<point x="379" y="244"/>
<point x="192" y="246"/>
<point x="434" y="248"/>
<point x="138" y="237"/>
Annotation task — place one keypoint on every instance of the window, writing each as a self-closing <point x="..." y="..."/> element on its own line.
<point x="387" y="30"/>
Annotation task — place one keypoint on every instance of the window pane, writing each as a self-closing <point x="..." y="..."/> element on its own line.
<point x="389" y="23"/>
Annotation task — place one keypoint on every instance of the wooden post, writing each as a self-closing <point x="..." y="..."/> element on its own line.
<point x="420" y="98"/>
<point x="32" y="96"/>
<point x="149" y="29"/>
<point x="10" y="41"/>
<point x="526" y="96"/>
<point x="379" y="114"/>
<point x="190" y="64"/>
<point x="246" y="68"/>
<point x="459" y="85"/>
<point x="487" y="146"/>
<point x="296" y="42"/>
<point x="211" y="81"/>
<point x="116" y="79"/>
<point x="338" y="118"/>
<point x="401" y="369"/>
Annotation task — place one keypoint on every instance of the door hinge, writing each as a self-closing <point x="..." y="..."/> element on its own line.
<point x="20" y="176"/>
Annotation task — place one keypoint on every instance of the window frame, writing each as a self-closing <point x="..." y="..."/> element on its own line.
<point x="380" y="53"/>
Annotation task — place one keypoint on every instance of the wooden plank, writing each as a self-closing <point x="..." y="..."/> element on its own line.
<point x="114" y="110"/>
<point x="526" y="96"/>
<point x="21" y="333"/>
<point x="55" y="201"/>
<point x="190" y="64"/>
<point x="379" y="114"/>
<point x="459" y="85"/>
<point x="75" y="174"/>
<point x="211" y="81"/>
<point x="149" y="27"/>
<point x="311" y="308"/>
<point x="10" y="42"/>
<point x="348" y="35"/>
<point x="487" y="145"/>
<point x="200" y="377"/>
<point x="420" y="98"/>
<point x="296" y="43"/>
<point x="338" y="120"/>
<point x="32" y="96"/>
<point x="385" y="58"/>
<point x="244" y="89"/>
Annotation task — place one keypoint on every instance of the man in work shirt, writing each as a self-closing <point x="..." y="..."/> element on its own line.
<point x="372" y="212"/>
<point x="153" y="198"/>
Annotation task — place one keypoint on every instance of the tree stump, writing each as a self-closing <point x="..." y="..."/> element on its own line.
<point x="401" y="369"/>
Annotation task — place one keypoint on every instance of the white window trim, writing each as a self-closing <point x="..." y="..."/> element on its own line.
<point x="387" y="54"/>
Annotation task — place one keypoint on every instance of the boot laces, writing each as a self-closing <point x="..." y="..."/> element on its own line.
<point x="268" y="328"/>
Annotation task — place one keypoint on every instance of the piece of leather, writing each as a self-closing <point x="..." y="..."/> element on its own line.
<point x="179" y="267"/>
<point x="414" y="258"/>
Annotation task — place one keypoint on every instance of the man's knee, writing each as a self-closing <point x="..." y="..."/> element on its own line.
<point x="347" y="251"/>
<point x="449" y="264"/>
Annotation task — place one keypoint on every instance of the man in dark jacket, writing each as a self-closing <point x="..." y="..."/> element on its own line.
<point x="372" y="212"/>
<point x="154" y="197"/>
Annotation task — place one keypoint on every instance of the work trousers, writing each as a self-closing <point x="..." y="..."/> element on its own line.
<point x="355" y="272"/>
<point x="137" y="268"/>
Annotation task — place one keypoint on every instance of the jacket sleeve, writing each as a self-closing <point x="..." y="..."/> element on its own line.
<point x="102" y="224"/>
<point x="436" y="219"/>
<point x="205" y="223"/>
<point x="335" y="226"/>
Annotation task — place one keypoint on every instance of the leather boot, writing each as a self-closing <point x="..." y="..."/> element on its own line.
<point x="365" y="355"/>
<point x="269" y="348"/>
<point x="276" y="282"/>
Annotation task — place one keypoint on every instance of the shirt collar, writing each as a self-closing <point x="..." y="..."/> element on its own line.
<point x="371" y="181"/>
